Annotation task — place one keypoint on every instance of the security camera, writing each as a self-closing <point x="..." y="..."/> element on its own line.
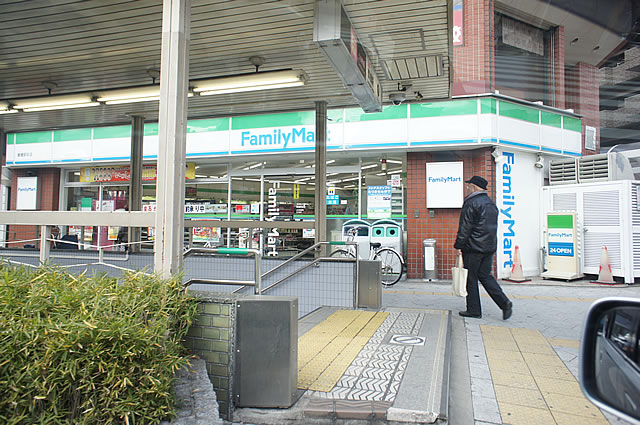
<point x="397" y="97"/>
<point x="540" y="162"/>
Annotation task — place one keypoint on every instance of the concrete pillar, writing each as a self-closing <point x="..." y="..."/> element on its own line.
<point x="135" y="179"/>
<point x="172" y="131"/>
<point x="321" y="172"/>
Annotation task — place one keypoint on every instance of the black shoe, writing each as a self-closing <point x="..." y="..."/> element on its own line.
<point x="468" y="314"/>
<point x="508" y="311"/>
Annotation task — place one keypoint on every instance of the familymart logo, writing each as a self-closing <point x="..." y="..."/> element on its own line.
<point x="282" y="138"/>
<point x="444" y="179"/>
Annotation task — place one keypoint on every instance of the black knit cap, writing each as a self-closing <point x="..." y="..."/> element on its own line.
<point x="478" y="181"/>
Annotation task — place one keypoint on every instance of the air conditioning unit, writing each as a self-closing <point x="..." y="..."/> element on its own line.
<point x="563" y="171"/>
<point x="611" y="166"/>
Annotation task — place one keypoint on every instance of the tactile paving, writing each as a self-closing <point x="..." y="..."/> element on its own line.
<point x="532" y="384"/>
<point x="325" y="352"/>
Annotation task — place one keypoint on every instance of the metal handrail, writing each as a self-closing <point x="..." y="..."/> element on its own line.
<point x="312" y="247"/>
<point x="317" y="260"/>
<point x="257" y="283"/>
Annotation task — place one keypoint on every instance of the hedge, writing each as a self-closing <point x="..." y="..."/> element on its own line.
<point x="89" y="350"/>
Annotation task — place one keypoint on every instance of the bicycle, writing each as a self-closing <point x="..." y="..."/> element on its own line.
<point x="391" y="262"/>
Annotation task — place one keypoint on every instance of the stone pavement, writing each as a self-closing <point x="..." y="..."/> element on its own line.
<point x="519" y="371"/>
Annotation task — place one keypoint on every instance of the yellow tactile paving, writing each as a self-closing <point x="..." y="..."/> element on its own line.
<point x="326" y="351"/>
<point x="516" y="380"/>
<point x="558" y="386"/>
<point x="512" y="414"/>
<point x="569" y="419"/>
<point x="574" y="405"/>
<point x="508" y="355"/>
<point x="520" y="396"/>
<point x="532" y="384"/>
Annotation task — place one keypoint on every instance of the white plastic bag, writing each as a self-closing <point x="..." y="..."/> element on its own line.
<point x="459" y="279"/>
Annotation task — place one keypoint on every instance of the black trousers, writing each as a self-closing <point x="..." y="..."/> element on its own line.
<point x="479" y="266"/>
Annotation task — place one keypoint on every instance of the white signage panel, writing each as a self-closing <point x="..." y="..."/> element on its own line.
<point x="27" y="196"/>
<point x="445" y="186"/>
<point x="518" y="197"/>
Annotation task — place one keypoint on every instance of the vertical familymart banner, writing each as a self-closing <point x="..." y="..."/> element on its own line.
<point x="518" y="197"/>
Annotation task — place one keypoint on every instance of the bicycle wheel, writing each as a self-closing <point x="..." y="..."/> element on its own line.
<point x="391" y="267"/>
<point x="342" y="253"/>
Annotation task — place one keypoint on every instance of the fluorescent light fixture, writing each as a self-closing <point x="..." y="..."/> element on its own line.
<point x="366" y="167"/>
<point x="55" y="102"/>
<point x="53" y="108"/>
<point x="6" y="109"/>
<point x="393" y="161"/>
<point x="200" y="176"/>
<point x="138" y="94"/>
<point x="331" y="161"/>
<point x="251" y="167"/>
<point x="350" y="179"/>
<point x="250" y="82"/>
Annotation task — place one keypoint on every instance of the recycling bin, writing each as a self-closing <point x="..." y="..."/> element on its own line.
<point x="362" y="236"/>
<point x="388" y="233"/>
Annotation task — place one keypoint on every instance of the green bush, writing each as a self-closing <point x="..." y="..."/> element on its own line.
<point x="81" y="350"/>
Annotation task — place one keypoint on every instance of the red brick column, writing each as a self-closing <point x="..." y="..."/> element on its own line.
<point x="583" y="96"/>
<point x="444" y="225"/>
<point x="473" y="62"/>
<point x="48" y="200"/>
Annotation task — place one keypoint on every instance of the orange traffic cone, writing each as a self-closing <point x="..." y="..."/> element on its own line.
<point x="516" y="270"/>
<point x="605" y="275"/>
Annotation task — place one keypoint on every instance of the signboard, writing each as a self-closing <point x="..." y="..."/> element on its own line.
<point x="27" y="197"/>
<point x="334" y="33"/>
<point x="458" y="23"/>
<point x="122" y="173"/>
<point x="445" y="187"/>
<point x="396" y="180"/>
<point x="562" y="246"/>
<point x="333" y="199"/>
<point x="560" y="235"/>
<point x="191" y="208"/>
<point x="379" y="202"/>
<point x="296" y="191"/>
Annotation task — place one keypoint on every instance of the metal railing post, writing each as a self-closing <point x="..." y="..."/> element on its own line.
<point x="258" y="273"/>
<point x="45" y="235"/>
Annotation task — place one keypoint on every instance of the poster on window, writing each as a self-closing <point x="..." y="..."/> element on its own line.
<point x="379" y="202"/>
<point x="206" y="234"/>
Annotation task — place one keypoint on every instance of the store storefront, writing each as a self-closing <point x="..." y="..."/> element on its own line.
<point x="261" y="168"/>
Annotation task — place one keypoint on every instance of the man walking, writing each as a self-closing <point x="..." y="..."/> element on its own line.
<point x="477" y="241"/>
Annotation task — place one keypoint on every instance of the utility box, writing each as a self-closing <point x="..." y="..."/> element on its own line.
<point x="430" y="264"/>
<point x="266" y="371"/>
<point x="369" y="284"/>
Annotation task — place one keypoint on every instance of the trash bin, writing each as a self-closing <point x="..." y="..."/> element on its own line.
<point x="430" y="269"/>
<point x="388" y="233"/>
<point x="362" y="236"/>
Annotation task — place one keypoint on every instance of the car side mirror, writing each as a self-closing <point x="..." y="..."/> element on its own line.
<point x="610" y="357"/>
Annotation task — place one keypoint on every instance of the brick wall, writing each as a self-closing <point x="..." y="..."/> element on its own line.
<point x="211" y="337"/>
<point x="443" y="225"/>
<point x="473" y="62"/>
<point x="48" y="200"/>
<point x="583" y="96"/>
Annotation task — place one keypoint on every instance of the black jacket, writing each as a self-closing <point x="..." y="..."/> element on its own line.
<point x="477" y="231"/>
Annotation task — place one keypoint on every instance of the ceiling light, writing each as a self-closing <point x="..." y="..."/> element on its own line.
<point x="366" y="167"/>
<point x="131" y="94"/>
<point x="249" y="82"/>
<point x="393" y="161"/>
<point x="331" y="161"/>
<point x="5" y="108"/>
<point x="55" y="102"/>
